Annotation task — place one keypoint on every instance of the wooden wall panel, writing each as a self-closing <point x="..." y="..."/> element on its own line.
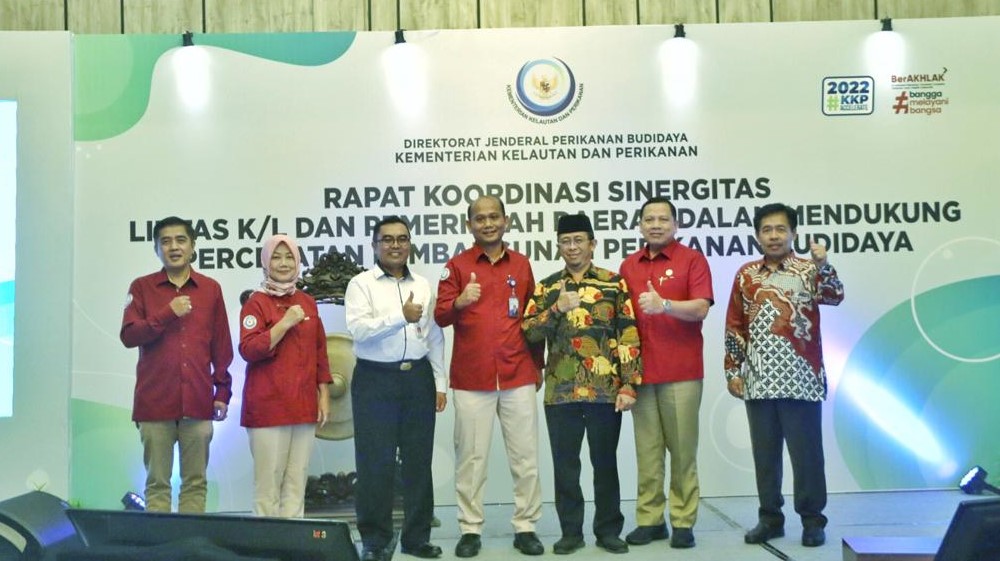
<point x="743" y="11"/>
<point x="384" y="16"/>
<point x="258" y="16"/>
<point x="823" y="10"/>
<point x="36" y="15"/>
<point x="163" y="16"/>
<point x="530" y="13"/>
<point x="234" y="16"/>
<point x="94" y="16"/>
<point x="438" y="14"/>
<point x="340" y="15"/>
<point x="610" y="12"/>
<point x="676" y="11"/>
<point x="937" y="8"/>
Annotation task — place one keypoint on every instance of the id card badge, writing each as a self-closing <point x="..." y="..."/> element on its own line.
<point x="513" y="304"/>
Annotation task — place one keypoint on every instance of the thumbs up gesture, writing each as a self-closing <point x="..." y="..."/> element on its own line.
<point x="649" y="301"/>
<point x="470" y="294"/>
<point x="412" y="310"/>
<point x="568" y="299"/>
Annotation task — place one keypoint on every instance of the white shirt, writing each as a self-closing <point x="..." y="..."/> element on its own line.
<point x="374" y="305"/>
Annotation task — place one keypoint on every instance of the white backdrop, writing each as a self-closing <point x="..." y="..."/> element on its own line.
<point x="821" y="115"/>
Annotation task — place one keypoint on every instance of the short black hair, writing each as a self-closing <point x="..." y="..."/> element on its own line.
<point x="392" y="219"/>
<point x="503" y="210"/>
<point x="659" y="201"/>
<point x="171" y="221"/>
<point x="775" y="208"/>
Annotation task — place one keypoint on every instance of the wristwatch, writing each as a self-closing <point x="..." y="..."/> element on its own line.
<point x="667" y="306"/>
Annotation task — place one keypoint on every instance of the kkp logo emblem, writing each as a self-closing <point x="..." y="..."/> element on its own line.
<point x="848" y="95"/>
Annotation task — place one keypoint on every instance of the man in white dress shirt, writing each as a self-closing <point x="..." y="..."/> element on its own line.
<point x="399" y="382"/>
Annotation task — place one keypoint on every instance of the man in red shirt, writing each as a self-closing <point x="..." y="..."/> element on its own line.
<point x="177" y="318"/>
<point x="482" y="293"/>
<point x="671" y="292"/>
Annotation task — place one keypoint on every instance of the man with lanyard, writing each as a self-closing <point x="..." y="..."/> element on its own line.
<point x="494" y="373"/>
<point x="584" y="314"/>
<point x="398" y="385"/>
<point x="177" y="318"/>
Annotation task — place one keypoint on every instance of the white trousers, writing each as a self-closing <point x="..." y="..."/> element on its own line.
<point x="518" y="413"/>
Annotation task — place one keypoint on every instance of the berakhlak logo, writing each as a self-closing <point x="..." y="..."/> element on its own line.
<point x="545" y="91"/>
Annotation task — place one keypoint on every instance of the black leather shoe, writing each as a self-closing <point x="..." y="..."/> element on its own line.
<point x="683" y="538"/>
<point x="763" y="532"/>
<point x="424" y="550"/>
<point x="567" y="544"/>
<point x="612" y="544"/>
<point x="813" y="537"/>
<point x="373" y="554"/>
<point x="528" y="543"/>
<point x="468" y="545"/>
<point x="642" y="535"/>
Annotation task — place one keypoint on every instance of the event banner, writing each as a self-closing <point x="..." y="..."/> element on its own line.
<point x="884" y="143"/>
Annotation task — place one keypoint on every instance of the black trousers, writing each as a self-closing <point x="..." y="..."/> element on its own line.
<point x="567" y="423"/>
<point x="393" y="408"/>
<point x="797" y="423"/>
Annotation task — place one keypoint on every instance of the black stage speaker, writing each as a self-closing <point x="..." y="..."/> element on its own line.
<point x="35" y="525"/>
<point x="974" y="532"/>
<point x="109" y="534"/>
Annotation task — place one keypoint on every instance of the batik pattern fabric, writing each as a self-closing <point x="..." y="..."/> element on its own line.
<point x="773" y="328"/>
<point x="593" y="350"/>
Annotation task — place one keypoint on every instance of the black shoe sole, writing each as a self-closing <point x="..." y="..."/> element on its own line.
<point x="764" y="537"/>
<point x="658" y="537"/>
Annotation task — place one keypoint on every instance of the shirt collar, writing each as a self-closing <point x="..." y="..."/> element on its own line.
<point x="667" y="252"/>
<point x="380" y="272"/>
<point x="782" y="265"/>
<point x="591" y="272"/>
<point x="481" y="254"/>
<point x="162" y="278"/>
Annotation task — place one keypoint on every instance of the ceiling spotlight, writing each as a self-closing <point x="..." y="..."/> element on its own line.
<point x="399" y="37"/>
<point x="187" y="39"/>
<point x="886" y="24"/>
<point x="679" y="31"/>
<point x="974" y="482"/>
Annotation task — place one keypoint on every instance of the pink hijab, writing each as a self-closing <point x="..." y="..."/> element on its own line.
<point x="269" y="285"/>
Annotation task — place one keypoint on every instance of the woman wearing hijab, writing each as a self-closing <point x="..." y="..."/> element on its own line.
<point x="285" y="393"/>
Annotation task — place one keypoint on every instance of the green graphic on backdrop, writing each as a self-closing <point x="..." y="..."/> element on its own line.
<point x="107" y="457"/>
<point x="906" y="415"/>
<point x="113" y="72"/>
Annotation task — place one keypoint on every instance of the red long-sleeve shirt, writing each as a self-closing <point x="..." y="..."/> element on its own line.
<point x="281" y="384"/>
<point x="671" y="347"/>
<point x="490" y="351"/>
<point x="183" y="361"/>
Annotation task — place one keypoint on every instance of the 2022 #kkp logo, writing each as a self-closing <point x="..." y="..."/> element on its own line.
<point x="848" y="95"/>
<point x="546" y="91"/>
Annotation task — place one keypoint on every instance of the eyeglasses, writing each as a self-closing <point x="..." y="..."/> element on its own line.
<point x="570" y="242"/>
<point x="398" y="240"/>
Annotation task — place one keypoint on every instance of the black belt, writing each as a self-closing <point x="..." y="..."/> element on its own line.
<point x="403" y="365"/>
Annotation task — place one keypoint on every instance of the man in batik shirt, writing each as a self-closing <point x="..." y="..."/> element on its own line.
<point x="774" y="362"/>
<point x="585" y="316"/>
